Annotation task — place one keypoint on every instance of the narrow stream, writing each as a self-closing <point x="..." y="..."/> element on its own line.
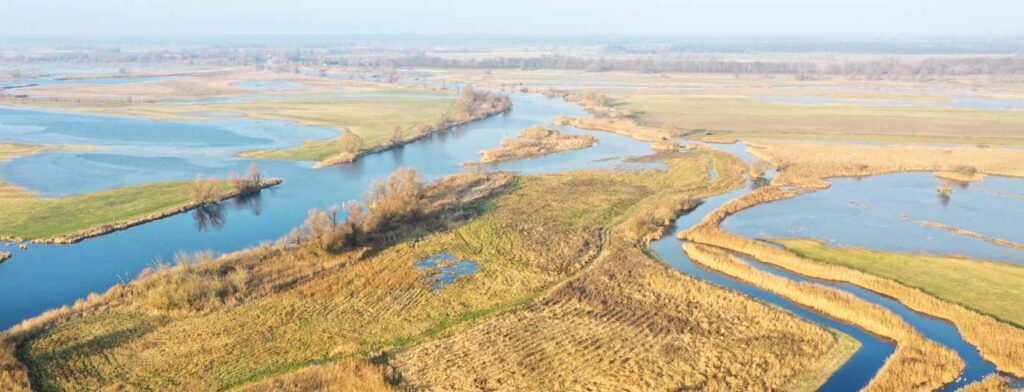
<point x="856" y="373"/>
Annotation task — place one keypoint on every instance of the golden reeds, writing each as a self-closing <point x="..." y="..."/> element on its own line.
<point x="917" y="363"/>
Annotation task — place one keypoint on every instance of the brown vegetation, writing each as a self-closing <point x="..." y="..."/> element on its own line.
<point x="998" y="342"/>
<point x="536" y="141"/>
<point x="620" y="126"/>
<point x="341" y="376"/>
<point x="917" y="364"/>
<point x="626" y="316"/>
<point x="808" y="164"/>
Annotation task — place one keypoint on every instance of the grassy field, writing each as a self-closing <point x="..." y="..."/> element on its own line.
<point x="754" y="106"/>
<point x="988" y="287"/>
<point x="30" y="217"/>
<point x="27" y="216"/>
<point x="553" y="254"/>
<point x="744" y="116"/>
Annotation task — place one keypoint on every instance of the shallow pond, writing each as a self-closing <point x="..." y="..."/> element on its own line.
<point x="884" y="212"/>
<point x="443" y="269"/>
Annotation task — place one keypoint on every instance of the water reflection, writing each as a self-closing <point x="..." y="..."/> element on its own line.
<point x="210" y="216"/>
<point x="252" y="202"/>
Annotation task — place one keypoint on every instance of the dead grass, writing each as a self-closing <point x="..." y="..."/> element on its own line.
<point x="533" y="142"/>
<point x="541" y="249"/>
<point x="808" y="164"/>
<point x="917" y="364"/>
<point x="341" y="376"/>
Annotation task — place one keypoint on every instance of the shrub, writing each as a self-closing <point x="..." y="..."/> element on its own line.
<point x="350" y="142"/>
<point x="205" y="190"/>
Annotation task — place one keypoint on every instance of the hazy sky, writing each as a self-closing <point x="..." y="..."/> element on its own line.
<point x="606" y="17"/>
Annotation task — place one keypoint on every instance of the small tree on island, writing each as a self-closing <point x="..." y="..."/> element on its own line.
<point x="350" y="142"/>
<point x="250" y="183"/>
<point x="205" y="190"/>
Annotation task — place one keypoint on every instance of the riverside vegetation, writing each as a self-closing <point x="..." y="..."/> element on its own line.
<point x="536" y="141"/>
<point x="340" y="300"/>
<point x="471" y="105"/>
<point x="804" y="167"/>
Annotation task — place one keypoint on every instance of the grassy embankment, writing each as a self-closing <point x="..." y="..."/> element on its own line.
<point x="988" y="287"/>
<point x="534" y="142"/>
<point x="806" y="165"/>
<point x="26" y="216"/>
<point x="556" y="253"/>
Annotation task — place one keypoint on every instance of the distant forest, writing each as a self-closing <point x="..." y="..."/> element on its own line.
<point x="889" y="67"/>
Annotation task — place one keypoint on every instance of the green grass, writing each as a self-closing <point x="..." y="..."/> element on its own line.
<point x="373" y="119"/>
<point x="988" y="287"/>
<point x="29" y="217"/>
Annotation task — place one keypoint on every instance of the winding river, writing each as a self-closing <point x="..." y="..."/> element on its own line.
<point x="135" y="151"/>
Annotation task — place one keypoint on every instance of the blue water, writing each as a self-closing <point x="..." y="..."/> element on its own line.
<point x="856" y="373"/>
<point x="942" y="332"/>
<point x="881" y="212"/>
<point x="443" y="269"/>
<point x="48" y="276"/>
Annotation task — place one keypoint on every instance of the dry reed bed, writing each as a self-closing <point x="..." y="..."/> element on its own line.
<point x="998" y="342"/>
<point x="808" y="164"/>
<point x="917" y="364"/>
<point x="341" y="376"/>
<point x="626" y="322"/>
<point x="629" y="322"/>
<point x="615" y="125"/>
<point x="632" y="321"/>
<point x="534" y="142"/>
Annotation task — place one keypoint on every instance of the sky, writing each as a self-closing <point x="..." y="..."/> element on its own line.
<point x="811" y="18"/>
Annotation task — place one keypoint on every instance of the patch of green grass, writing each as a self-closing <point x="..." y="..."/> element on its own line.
<point x="988" y="287"/>
<point x="29" y="217"/>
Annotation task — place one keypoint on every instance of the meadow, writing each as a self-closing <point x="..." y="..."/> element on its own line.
<point x="780" y="106"/>
<point x="988" y="287"/>
<point x="27" y="216"/>
<point x="556" y="249"/>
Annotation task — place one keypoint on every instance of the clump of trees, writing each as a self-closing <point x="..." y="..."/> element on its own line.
<point x="350" y="143"/>
<point x="205" y="190"/>
<point x="390" y="204"/>
<point x="473" y="103"/>
<point x="251" y="182"/>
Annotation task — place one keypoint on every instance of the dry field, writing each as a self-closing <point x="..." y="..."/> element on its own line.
<point x="555" y="245"/>
<point x="917" y="364"/>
